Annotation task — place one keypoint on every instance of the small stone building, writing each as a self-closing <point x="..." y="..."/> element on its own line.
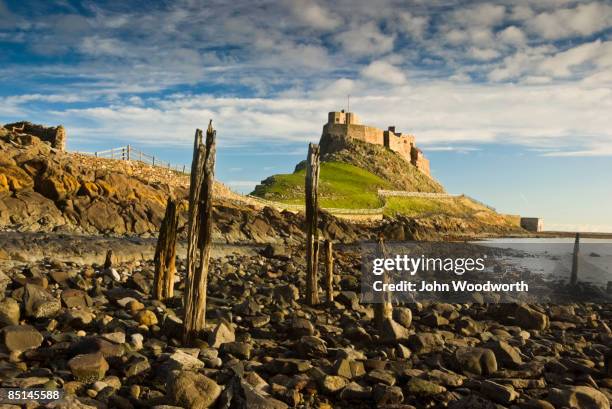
<point x="55" y="135"/>
<point x="533" y="224"/>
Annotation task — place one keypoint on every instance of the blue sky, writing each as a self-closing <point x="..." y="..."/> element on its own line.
<point x="510" y="100"/>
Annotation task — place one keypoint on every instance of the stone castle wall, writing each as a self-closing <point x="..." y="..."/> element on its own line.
<point x="361" y="132"/>
<point x="346" y="124"/>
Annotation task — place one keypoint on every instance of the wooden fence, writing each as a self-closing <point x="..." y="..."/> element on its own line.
<point x="130" y="154"/>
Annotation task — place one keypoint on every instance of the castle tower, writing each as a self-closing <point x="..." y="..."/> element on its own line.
<point x="336" y="117"/>
<point x="351" y="119"/>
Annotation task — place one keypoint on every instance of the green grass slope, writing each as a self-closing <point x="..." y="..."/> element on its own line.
<point x="341" y="185"/>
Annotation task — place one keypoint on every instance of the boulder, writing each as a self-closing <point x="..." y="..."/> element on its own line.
<point x="393" y="333"/>
<point x="287" y="293"/>
<point x="9" y="312"/>
<point x="579" y="397"/>
<point x="425" y="342"/>
<point x="4" y="282"/>
<point x="38" y="303"/>
<point x="256" y="399"/>
<point x="505" y="353"/>
<point x="333" y="384"/>
<point x="422" y="387"/>
<point x="21" y="338"/>
<point x="403" y="316"/>
<point x="192" y="390"/>
<point x="221" y="334"/>
<point x="528" y="318"/>
<point x="240" y="350"/>
<point x="503" y="394"/>
<point x="479" y="361"/>
<point x="147" y="317"/>
<point x="179" y="360"/>
<point x="75" y="298"/>
<point x="310" y="346"/>
<point x="88" y="367"/>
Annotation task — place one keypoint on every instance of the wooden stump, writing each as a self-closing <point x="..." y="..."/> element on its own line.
<point x="574" y="276"/>
<point x="200" y="232"/>
<point x="312" y="232"/>
<point x="108" y="262"/>
<point x="383" y="309"/>
<point x="329" y="269"/>
<point x="165" y="253"/>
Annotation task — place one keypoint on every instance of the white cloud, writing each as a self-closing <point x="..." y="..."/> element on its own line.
<point x="483" y="54"/>
<point x="582" y="20"/>
<point x="439" y="113"/>
<point x="512" y="35"/>
<point x="97" y="46"/>
<point x="485" y="15"/>
<point x="382" y="71"/>
<point x="365" y="39"/>
<point x="561" y="64"/>
<point x="315" y="16"/>
<point x="412" y="24"/>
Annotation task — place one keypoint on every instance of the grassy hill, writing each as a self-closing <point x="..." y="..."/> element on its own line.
<point x="352" y="172"/>
<point x="340" y="185"/>
<point x="379" y="161"/>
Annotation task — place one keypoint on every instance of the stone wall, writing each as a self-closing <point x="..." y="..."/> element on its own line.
<point x="361" y="132"/>
<point x="418" y="159"/>
<point x="401" y="144"/>
<point x="55" y="135"/>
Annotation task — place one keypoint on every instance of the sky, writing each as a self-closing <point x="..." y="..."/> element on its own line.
<point x="510" y="100"/>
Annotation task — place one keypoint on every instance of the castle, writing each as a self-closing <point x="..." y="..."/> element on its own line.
<point x="347" y="124"/>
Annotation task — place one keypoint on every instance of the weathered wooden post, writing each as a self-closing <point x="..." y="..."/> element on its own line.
<point x="200" y="232"/>
<point x="165" y="253"/>
<point x="312" y="232"/>
<point x="383" y="310"/>
<point x="108" y="261"/>
<point x="574" y="277"/>
<point x="128" y="152"/>
<point x="329" y="269"/>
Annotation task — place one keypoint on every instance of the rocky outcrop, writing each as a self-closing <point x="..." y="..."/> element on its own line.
<point x="43" y="189"/>
<point x="378" y="160"/>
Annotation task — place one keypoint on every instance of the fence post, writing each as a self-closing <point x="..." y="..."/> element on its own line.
<point x="153" y="160"/>
<point x="574" y="276"/>
<point x="383" y="309"/>
<point x="312" y="233"/>
<point x="199" y="234"/>
<point x="329" y="267"/>
<point x="165" y="253"/>
<point x="128" y="152"/>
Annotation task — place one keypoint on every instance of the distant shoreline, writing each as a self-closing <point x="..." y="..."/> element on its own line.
<point x="584" y="235"/>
